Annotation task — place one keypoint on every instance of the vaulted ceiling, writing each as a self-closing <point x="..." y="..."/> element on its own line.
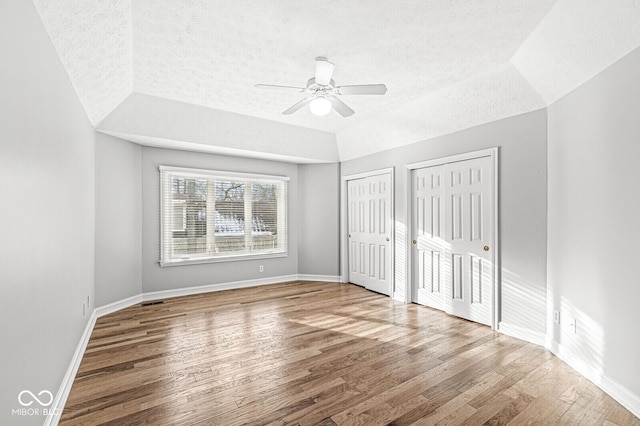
<point x="181" y="73"/>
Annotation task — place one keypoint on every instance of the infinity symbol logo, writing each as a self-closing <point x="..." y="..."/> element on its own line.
<point x="35" y="398"/>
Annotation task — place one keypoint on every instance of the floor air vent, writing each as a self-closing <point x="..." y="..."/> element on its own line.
<point x="157" y="302"/>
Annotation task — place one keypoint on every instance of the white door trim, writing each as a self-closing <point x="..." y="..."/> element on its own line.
<point x="344" y="244"/>
<point x="497" y="279"/>
<point x="489" y="152"/>
<point x="388" y="170"/>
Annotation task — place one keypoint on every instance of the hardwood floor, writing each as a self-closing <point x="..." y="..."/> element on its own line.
<point x="320" y="354"/>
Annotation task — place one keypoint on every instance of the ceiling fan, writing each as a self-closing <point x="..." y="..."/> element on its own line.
<point x="323" y="92"/>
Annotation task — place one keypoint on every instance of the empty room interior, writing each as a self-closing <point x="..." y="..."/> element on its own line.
<point x="319" y="213"/>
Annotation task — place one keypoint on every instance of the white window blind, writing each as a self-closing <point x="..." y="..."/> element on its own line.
<point x="208" y="216"/>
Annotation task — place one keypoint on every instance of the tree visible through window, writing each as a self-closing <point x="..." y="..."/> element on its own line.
<point x="215" y="215"/>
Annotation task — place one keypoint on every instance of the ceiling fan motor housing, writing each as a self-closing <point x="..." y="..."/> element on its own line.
<point x="316" y="88"/>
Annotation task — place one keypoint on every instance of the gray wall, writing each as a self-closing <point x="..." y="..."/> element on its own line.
<point x="523" y="151"/>
<point x="155" y="278"/>
<point x="46" y="212"/>
<point x="319" y="226"/>
<point x="118" y="257"/>
<point x="594" y="154"/>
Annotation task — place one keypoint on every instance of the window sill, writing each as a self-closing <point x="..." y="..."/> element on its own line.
<point x="219" y="259"/>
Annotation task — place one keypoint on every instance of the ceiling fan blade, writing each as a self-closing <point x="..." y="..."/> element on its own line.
<point x="342" y="108"/>
<point x="276" y="86"/>
<point x="363" y="89"/>
<point x="324" y="71"/>
<point x="298" y="105"/>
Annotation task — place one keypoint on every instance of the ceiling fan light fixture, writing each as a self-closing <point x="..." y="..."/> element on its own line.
<point x="320" y="106"/>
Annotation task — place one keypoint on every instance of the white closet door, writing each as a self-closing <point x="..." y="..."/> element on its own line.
<point x="428" y="226"/>
<point x="369" y="216"/>
<point x="469" y="238"/>
<point x="357" y="224"/>
<point x="453" y="234"/>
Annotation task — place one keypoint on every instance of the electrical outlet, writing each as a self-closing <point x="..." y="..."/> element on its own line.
<point x="556" y="317"/>
<point x="572" y="325"/>
<point x="261" y="268"/>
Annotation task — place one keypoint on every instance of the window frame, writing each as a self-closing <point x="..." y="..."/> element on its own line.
<point x="222" y="175"/>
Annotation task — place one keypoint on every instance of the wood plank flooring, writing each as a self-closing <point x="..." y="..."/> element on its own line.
<point x="320" y="354"/>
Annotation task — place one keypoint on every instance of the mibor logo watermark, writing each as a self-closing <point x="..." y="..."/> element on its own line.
<point x="34" y="404"/>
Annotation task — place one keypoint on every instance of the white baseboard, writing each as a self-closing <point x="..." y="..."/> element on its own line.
<point x="165" y="294"/>
<point x="617" y="391"/>
<point x="327" y="278"/>
<point x="522" y="333"/>
<point x="188" y="291"/>
<point x="614" y="389"/>
<point x="57" y="406"/>
<point x="620" y="393"/>
<point x="118" y="305"/>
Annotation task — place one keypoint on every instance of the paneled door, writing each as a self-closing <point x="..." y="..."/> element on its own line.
<point x="369" y="232"/>
<point x="428" y="224"/>
<point x="453" y="238"/>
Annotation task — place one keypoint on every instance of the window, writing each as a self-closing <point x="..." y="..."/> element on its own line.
<point x="209" y="216"/>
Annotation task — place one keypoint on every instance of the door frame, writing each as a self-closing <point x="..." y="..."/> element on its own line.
<point x="493" y="153"/>
<point x="344" y="224"/>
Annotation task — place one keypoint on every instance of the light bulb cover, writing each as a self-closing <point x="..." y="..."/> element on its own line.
<point x="320" y="106"/>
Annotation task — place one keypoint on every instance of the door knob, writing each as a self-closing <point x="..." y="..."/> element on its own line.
<point x="486" y="248"/>
<point x="414" y="241"/>
<point x="349" y="235"/>
<point x="387" y="238"/>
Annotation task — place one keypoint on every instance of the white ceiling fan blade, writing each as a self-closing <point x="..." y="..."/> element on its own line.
<point x="278" y="87"/>
<point x="363" y="89"/>
<point x="324" y="71"/>
<point x="342" y="108"/>
<point x="297" y="106"/>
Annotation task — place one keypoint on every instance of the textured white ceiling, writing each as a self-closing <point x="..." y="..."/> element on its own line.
<point x="499" y="93"/>
<point x="575" y="41"/>
<point x="93" y="40"/>
<point x="212" y="53"/>
<point x="448" y="65"/>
